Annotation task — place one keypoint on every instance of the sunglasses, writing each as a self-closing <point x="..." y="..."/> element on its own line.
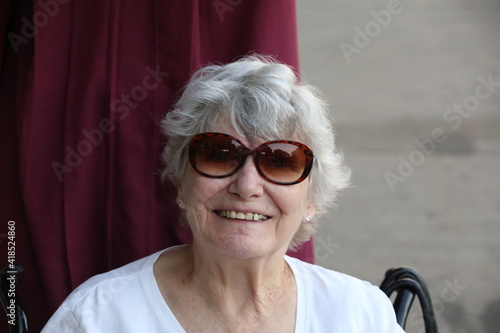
<point x="217" y="155"/>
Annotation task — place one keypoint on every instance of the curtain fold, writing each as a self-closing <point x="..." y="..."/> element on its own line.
<point x="82" y="95"/>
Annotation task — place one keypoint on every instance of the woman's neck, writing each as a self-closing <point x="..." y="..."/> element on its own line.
<point x="209" y="292"/>
<point x="236" y="283"/>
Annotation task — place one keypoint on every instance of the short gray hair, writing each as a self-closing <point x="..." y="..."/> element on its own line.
<point x="262" y="99"/>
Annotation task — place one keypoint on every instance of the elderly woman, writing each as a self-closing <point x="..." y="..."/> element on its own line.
<point x="251" y="152"/>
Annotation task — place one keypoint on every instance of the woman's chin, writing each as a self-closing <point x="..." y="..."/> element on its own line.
<point x="244" y="247"/>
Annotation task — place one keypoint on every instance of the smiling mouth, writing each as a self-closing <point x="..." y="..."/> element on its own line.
<point x="231" y="214"/>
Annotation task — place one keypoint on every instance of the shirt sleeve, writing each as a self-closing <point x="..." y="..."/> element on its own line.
<point x="63" y="321"/>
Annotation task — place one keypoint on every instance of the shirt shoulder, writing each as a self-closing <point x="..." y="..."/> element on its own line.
<point x="330" y="281"/>
<point x="333" y="301"/>
<point x="126" y="299"/>
<point x="112" y="281"/>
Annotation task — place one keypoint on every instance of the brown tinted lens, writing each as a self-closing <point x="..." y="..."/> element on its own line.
<point x="281" y="162"/>
<point x="217" y="156"/>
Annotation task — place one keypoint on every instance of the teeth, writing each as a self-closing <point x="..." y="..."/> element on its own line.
<point x="242" y="216"/>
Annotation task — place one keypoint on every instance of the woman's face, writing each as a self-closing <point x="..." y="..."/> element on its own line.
<point x="211" y="206"/>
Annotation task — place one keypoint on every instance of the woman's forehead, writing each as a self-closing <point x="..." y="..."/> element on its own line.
<point x="253" y="135"/>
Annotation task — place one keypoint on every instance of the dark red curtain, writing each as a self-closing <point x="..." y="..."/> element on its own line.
<point x="84" y="85"/>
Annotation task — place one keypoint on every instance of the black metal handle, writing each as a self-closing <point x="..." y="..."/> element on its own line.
<point x="409" y="284"/>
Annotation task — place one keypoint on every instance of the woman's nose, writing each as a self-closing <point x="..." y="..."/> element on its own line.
<point x="247" y="182"/>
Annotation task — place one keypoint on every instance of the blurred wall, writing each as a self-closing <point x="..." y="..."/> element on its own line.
<point x="414" y="87"/>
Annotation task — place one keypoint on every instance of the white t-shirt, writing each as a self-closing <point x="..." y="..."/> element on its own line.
<point x="128" y="299"/>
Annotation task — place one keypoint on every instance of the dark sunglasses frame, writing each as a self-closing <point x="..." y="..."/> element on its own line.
<point x="245" y="151"/>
